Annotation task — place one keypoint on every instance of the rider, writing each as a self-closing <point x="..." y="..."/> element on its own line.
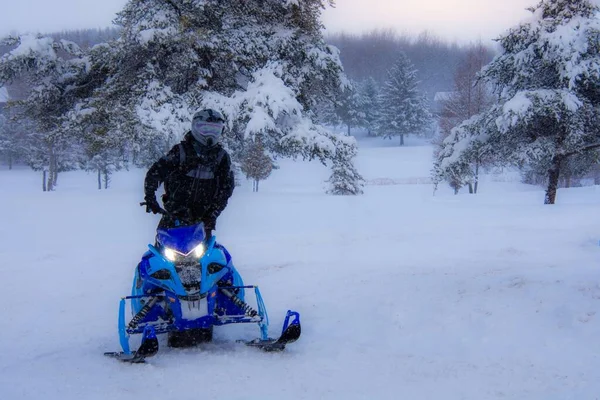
<point x="197" y="176"/>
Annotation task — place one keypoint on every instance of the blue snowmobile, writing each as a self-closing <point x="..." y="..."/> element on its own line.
<point x="184" y="286"/>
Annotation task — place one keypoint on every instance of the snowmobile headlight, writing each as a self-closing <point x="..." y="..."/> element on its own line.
<point x="170" y="254"/>
<point x="199" y="250"/>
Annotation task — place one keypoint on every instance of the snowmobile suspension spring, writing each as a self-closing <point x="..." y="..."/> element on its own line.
<point x="249" y="311"/>
<point x="142" y="313"/>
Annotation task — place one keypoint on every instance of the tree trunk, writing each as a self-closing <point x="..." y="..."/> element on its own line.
<point x="257" y="185"/>
<point x="55" y="169"/>
<point x="44" y="175"/>
<point x="476" y="186"/>
<point x="10" y="160"/>
<point x="106" y="178"/>
<point x="99" y="179"/>
<point x="597" y="176"/>
<point x="402" y="139"/>
<point x="51" y="168"/>
<point x="553" y="178"/>
<point x="471" y="188"/>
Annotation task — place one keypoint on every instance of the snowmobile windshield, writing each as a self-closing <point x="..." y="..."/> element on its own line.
<point x="182" y="239"/>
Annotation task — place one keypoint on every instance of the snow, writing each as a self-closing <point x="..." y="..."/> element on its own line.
<point x="443" y="96"/>
<point x="3" y="95"/>
<point x="402" y="294"/>
<point x="32" y="44"/>
<point x="149" y="35"/>
<point x="527" y="103"/>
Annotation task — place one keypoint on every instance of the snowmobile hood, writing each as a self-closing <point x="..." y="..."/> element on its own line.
<point x="182" y="239"/>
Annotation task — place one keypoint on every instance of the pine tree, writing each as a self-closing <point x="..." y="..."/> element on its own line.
<point x="548" y="83"/>
<point x="51" y="69"/>
<point x="264" y="65"/>
<point x="369" y="94"/>
<point x="12" y="138"/>
<point x="104" y="146"/>
<point x="349" y="108"/>
<point x="404" y="110"/>
<point x="345" y="180"/>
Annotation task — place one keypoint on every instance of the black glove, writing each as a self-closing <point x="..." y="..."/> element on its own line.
<point x="152" y="205"/>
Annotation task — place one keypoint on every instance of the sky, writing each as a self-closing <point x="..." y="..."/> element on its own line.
<point x="461" y="20"/>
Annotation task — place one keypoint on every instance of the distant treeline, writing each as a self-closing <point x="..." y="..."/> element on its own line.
<point x="371" y="54"/>
<point x="83" y="37"/>
<point x="87" y="37"/>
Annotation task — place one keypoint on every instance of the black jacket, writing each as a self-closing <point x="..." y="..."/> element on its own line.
<point x="198" y="182"/>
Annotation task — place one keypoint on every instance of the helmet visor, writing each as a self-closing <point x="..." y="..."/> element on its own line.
<point x="203" y="128"/>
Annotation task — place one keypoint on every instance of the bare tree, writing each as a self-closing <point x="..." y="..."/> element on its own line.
<point x="255" y="163"/>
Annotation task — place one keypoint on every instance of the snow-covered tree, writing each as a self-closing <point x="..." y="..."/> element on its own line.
<point x="349" y="108"/>
<point x="104" y="144"/>
<point x="548" y="82"/>
<point x="463" y="170"/>
<point x="369" y="95"/>
<point x="470" y="97"/>
<point x="263" y="64"/>
<point x="12" y="138"/>
<point x="345" y="180"/>
<point x="255" y="163"/>
<point x="404" y="110"/>
<point x="51" y="69"/>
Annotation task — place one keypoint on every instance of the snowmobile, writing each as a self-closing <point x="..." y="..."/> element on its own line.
<point x="185" y="285"/>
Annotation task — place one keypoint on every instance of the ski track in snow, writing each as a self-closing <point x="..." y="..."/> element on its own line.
<point x="402" y="294"/>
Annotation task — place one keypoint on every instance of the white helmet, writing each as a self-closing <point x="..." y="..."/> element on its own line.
<point x="207" y="127"/>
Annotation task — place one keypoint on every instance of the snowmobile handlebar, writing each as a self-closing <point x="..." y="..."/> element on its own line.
<point x="160" y="209"/>
<point x="168" y="214"/>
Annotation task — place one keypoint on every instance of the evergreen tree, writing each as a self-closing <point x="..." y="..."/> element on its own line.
<point x="51" y="69"/>
<point x="349" y="108"/>
<point x="369" y="99"/>
<point x="264" y="65"/>
<point x="345" y="180"/>
<point x="404" y="110"/>
<point x="13" y="144"/>
<point x="548" y="82"/>
<point x="104" y="147"/>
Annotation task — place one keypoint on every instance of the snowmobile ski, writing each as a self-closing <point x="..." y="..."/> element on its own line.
<point x="148" y="348"/>
<point x="289" y="334"/>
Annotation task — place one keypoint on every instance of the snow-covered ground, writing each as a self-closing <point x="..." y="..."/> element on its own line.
<point x="403" y="295"/>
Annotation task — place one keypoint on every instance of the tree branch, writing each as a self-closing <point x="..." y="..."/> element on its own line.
<point x="583" y="149"/>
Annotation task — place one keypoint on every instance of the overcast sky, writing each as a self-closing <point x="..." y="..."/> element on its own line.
<point x="463" y="20"/>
